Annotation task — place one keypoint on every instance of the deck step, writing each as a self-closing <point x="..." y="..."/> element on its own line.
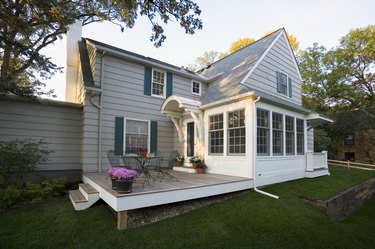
<point x="88" y="188"/>
<point x="84" y="197"/>
<point x="76" y="196"/>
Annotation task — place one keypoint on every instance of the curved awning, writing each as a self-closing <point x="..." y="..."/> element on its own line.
<point x="175" y="107"/>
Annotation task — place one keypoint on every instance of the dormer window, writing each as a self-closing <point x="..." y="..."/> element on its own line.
<point x="196" y="87"/>
<point x="284" y="84"/>
<point x="158" y="83"/>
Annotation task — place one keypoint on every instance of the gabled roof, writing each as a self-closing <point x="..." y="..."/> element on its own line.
<point x="234" y="68"/>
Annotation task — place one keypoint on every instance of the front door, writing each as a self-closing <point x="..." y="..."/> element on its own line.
<point x="190" y="139"/>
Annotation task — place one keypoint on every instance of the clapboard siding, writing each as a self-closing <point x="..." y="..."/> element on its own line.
<point x="60" y="125"/>
<point x="278" y="58"/>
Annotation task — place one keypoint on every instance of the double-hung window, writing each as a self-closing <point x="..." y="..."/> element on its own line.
<point x="136" y="133"/>
<point x="289" y="135"/>
<point x="158" y="83"/>
<point x="196" y="87"/>
<point x="216" y="134"/>
<point x="300" y="137"/>
<point x="263" y="132"/>
<point x="236" y="132"/>
<point x="277" y="134"/>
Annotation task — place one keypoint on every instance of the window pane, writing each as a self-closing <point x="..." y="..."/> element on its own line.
<point x="136" y="136"/>
<point x="263" y="132"/>
<point x="216" y="134"/>
<point x="284" y="79"/>
<point x="236" y="132"/>
<point x="300" y="137"/>
<point x="158" y="83"/>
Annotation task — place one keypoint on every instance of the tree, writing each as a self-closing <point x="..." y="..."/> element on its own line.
<point x="343" y="77"/>
<point x="26" y="27"/>
<point x="240" y="43"/>
<point x="292" y="40"/>
<point x="206" y="59"/>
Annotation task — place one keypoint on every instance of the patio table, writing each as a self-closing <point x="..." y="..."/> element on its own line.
<point x="144" y="162"/>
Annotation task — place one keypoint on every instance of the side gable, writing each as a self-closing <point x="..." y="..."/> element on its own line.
<point x="277" y="58"/>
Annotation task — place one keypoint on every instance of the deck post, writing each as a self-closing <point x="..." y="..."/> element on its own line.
<point x="122" y="220"/>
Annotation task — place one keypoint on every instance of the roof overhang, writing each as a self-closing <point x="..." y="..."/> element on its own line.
<point x="316" y="119"/>
<point x="228" y="100"/>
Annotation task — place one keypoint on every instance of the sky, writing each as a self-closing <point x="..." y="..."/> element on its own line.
<point x="321" y="21"/>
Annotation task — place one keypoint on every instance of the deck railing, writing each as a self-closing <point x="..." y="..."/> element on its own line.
<point x="316" y="160"/>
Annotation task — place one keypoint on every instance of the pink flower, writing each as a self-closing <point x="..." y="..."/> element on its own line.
<point x="122" y="173"/>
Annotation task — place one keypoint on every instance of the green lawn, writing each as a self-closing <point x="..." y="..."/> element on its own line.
<point x="250" y="220"/>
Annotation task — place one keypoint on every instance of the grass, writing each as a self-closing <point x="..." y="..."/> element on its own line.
<point x="250" y="220"/>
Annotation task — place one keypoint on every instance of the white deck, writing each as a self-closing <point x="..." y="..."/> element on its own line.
<point x="189" y="186"/>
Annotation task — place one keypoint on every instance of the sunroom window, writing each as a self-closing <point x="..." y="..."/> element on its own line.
<point x="300" y="137"/>
<point x="216" y="134"/>
<point x="263" y="132"/>
<point x="236" y="132"/>
<point x="277" y="134"/>
<point x="289" y="135"/>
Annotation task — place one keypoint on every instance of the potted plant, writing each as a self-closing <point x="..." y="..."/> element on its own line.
<point x="201" y="168"/>
<point x="124" y="179"/>
<point x="195" y="160"/>
<point x="179" y="161"/>
<point x="111" y="174"/>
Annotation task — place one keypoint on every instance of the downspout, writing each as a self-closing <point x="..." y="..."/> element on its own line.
<point x="255" y="152"/>
<point x="99" y="106"/>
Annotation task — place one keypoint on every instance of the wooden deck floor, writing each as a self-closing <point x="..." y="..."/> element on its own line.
<point x="186" y="181"/>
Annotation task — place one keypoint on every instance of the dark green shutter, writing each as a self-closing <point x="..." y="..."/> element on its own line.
<point x="169" y="84"/>
<point x="147" y="84"/>
<point x="119" y="135"/>
<point x="290" y="87"/>
<point x="154" y="136"/>
<point x="278" y="81"/>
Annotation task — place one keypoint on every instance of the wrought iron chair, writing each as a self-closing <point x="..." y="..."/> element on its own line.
<point x="165" y="169"/>
<point x="113" y="159"/>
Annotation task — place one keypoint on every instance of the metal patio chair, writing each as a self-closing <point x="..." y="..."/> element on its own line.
<point x="166" y="168"/>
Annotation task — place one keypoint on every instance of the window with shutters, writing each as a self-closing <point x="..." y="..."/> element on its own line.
<point x="159" y="82"/>
<point x="284" y="84"/>
<point x="136" y="136"/>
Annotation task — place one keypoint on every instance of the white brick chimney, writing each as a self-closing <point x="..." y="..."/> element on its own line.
<point x="72" y="55"/>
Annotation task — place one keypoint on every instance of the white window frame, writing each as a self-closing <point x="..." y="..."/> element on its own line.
<point x="165" y="83"/>
<point x="234" y="128"/>
<point x="200" y="87"/>
<point x="209" y="132"/>
<point x="287" y="85"/>
<point x="148" y="132"/>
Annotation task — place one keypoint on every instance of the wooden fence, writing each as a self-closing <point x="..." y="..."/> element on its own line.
<point x="349" y="164"/>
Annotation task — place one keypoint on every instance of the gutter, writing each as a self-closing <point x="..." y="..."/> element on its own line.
<point x="255" y="152"/>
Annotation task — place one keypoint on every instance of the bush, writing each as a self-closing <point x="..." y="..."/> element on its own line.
<point x="11" y="195"/>
<point x="19" y="157"/>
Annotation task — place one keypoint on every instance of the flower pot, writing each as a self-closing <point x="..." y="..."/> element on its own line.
<point x="124" y="185"/>
<point x="177" y="164"/>
<point x="201" y="171"/>
<point x="114" y="183"/>
<point x="195" y="165"/>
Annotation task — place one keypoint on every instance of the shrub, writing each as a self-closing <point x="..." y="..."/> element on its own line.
<point x="19" y="157"/>
<point x="11" y="195"/>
